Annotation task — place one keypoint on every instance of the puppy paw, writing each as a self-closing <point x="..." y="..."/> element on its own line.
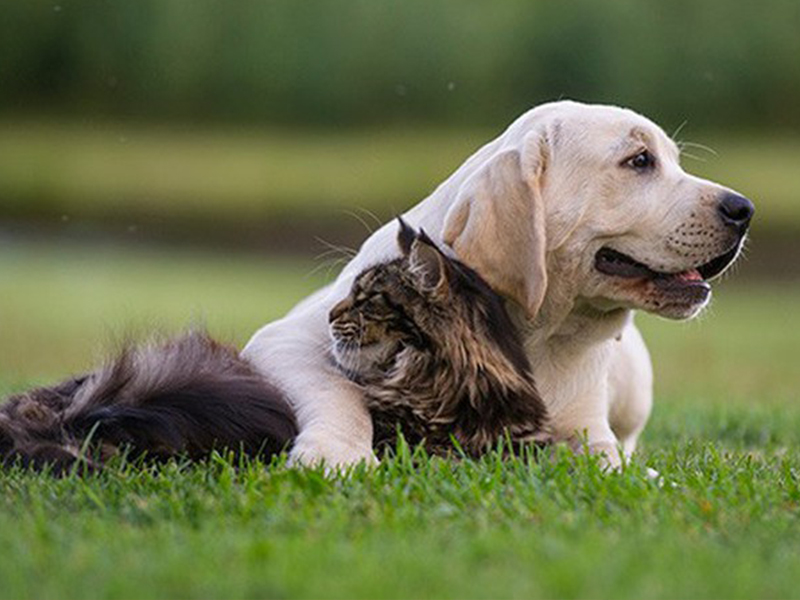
<point x="312" y="449"/>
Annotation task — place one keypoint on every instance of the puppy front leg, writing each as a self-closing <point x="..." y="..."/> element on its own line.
<point x="335" y="425"/>
<point x="336" y="428"/>
<point x="576" y="388"/>
<point x="597" y="438"/>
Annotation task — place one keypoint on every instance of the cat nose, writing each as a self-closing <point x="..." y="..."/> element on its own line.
<point x="339" y="309"/>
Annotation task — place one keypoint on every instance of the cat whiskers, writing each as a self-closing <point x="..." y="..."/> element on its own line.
<point x="349" y="351"/>
<point x="333" y="257"/>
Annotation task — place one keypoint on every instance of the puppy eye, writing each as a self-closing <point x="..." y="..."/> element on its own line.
<point x="643" y="161"/>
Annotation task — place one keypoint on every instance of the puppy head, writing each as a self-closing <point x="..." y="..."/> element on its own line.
<point x="590" y="203"/>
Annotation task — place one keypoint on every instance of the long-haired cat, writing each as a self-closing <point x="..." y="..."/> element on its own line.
<point x="436" y="353"/>
<point x="182" y="396"/>
<point x="430" y="342"/>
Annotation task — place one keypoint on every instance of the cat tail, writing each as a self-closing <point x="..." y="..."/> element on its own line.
<point x="183" y="396"/>
<point x="31" y="435"/>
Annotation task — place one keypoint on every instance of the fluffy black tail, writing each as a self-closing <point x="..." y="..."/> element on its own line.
<point x="185" y="396"/>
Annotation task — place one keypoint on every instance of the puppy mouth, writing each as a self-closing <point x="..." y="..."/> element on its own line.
<point x="615" y="263"/>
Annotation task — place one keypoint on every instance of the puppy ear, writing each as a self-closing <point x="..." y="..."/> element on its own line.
<point x="496" y="224"/>
<point x="428" y="263"/>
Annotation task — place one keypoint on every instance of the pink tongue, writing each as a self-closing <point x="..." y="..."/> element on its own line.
<point x="692" y="275"/>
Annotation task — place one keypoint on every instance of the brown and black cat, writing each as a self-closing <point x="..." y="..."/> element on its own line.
<point x="436" y="353"/>
<point x="430" y="342"/>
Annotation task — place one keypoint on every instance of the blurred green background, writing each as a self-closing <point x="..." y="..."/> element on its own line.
<point x="165" y="161"/>
<point x="172" y="162"/>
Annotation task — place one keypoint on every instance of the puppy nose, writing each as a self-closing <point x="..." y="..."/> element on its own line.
<point x="338" y="310"/>
<point x="736" y="210"/>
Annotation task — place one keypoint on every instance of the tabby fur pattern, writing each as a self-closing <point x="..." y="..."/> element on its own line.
<point x="436" y="353"/>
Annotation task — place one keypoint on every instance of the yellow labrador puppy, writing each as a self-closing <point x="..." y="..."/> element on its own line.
<point x="579" y="215"/>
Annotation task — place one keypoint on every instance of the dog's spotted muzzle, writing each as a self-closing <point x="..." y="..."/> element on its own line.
<point x="688" y="287"/>
<point x="735" y="212"/>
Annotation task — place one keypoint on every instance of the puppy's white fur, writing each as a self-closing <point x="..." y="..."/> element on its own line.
<point x="529" y="211"/>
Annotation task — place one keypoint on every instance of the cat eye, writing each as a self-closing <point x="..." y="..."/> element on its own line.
<point x="365" y="297"/>
<point x="641" y="162"/>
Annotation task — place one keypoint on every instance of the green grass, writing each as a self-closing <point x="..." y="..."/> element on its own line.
<point x="724" y="525"/>
<point x="103" y="170"/>
<point x="725" y="436"/>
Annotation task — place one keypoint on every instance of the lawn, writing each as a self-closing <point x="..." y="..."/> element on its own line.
<point x="725" y="436"/>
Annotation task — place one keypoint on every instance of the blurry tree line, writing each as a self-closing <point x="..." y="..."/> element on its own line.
<point x="729" y="62"/>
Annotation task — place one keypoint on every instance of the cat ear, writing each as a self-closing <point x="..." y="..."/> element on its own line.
<point x="405" y="236"/>
<point x="427" y="262"/>
<point x="496" y="223"/>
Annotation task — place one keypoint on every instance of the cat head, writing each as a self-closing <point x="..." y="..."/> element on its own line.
<point x="424" y="301"/>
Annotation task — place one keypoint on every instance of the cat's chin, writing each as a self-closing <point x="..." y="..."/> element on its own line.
<point x="358" y="361"/>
